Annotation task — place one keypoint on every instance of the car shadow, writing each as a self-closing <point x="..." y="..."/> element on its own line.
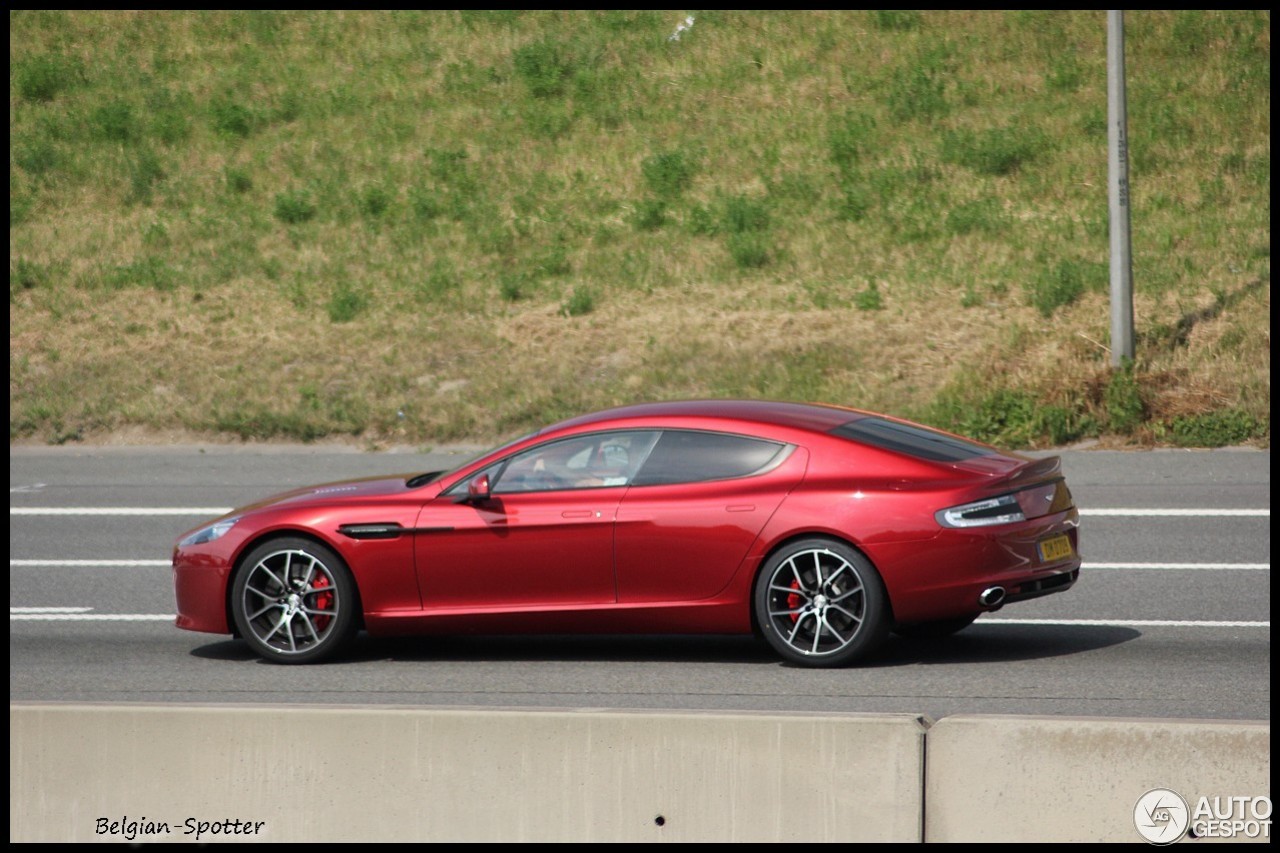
<point x="977" y="644"/>
<point x="696" y="648"/>
<point x="994" y="643"/>
<point x="504" y="648"/>
<point x="228" y="649"/>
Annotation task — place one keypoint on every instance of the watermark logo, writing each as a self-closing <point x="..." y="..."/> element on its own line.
<point x="1161" y="816"/>
<point x="1232" y="817"/>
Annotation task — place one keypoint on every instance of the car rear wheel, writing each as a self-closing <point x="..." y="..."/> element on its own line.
<point x="294" y="601"/>
<point x="821" y="603"/>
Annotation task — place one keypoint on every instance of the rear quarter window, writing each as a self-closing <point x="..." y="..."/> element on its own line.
<point x="695" y="457"/>
<point x="919" y="442"/>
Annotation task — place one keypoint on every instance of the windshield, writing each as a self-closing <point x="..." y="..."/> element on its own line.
<point x="420" y="480"/>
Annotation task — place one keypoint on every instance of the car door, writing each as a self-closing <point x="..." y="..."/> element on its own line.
<point x="542" y="538"/>
<point x="694" y="509"/>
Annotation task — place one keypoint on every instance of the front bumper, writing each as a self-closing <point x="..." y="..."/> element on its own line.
<point x="200" y="585"/>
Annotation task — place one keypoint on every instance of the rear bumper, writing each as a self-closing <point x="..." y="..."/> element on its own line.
<point x="1060" y="582"/>
<point x="944" y="577"/>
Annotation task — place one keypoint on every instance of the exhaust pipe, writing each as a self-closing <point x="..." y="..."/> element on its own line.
<point x="991" y="597"/>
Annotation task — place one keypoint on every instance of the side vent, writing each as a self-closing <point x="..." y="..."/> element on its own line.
<point x="375" y="530"/>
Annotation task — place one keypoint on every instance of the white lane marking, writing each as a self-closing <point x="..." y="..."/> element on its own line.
<point x="1175" y="513"/>
<point x="30" y="487"/>
<point x="1256" y="567"/>
<point x="48" y="610"/>
<point x="1128" y="623"/>
<point x="119" y="510"/>
<point x="90" y="617"/>
<point x="92" y="564"/>
<point x="222" y="510"/>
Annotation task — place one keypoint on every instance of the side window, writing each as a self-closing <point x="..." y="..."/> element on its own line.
<point x="694" y="457"/>
<point x="599" y="460"/>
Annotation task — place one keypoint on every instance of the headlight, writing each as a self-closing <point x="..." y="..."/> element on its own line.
<point x="208" y="534"/>
<point x="1002" y="510"/>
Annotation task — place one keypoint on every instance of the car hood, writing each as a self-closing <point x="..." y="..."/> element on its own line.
<point x="331" y="493"/>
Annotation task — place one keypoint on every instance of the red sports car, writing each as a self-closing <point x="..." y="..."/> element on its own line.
<point x="821" y="528"/>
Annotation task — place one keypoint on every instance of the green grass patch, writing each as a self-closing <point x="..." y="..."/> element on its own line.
<point x="1064" y="283"/>
<point x="545" y="67"/>
<point x="168" y="116"/>
<point x="649" y="214"/>
<point x="1009" y="417"/>
<point x="26" y="275"/>
<point x="669" y="174"/>
<point x="293" y="207"/>
<point x="745" y="215"/>
<point x="43" y="77"/>
<point x="581" y="300"/>
<point x="851" y="141"/>
<point x="115" y="121"/>
<point x="1125" y="408"/>
<point x="375" y="200"/>
<point x="869" y="298"/>
<point x="440" y="281"/>
<point x="146" y="170"/>
<point x="238" y="181"/>
<point x="897" y="20"/>
<point x="149" y="272"/>
<point x="514" y="285"/>
<point x="35" y="156"/>
<point x="310" y="420"/>
<point x="749" y="249"/>
<point x="346" y="302"/>
<point x="1220" y="428"/>
<point x="983" y="216"/>
<point x="230" y="118"/>
<point x="996" y="152"/>
<point x="917" y="91"/>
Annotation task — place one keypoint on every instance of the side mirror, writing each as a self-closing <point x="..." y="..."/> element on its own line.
<point x="478" y="489"/>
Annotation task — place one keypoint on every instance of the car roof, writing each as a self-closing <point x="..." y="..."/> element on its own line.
<point x="804" y="416"/>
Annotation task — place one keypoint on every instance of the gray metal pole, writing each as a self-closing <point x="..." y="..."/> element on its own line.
<point x="1118" y="194"/>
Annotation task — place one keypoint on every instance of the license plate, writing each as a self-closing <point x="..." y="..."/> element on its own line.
<point x="1055" y="548"/>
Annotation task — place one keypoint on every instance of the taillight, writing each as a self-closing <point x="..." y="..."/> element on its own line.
<point x="1044" y="499"/>
<point x="1002" y="510"/>
<point x="1021" y="505"/>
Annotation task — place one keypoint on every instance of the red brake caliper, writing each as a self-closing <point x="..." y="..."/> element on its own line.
<point x="794" y="600"/>
<point x="323" y="601"/>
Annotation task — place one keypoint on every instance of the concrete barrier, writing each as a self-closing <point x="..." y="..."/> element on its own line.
<point x="304" y="773"/>
<point x="1080" y="779"/>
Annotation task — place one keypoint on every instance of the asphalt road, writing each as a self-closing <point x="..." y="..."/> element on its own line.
<point x="1171" y="617"/>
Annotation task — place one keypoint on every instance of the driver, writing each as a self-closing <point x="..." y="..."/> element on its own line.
<point x="554" y="465"/>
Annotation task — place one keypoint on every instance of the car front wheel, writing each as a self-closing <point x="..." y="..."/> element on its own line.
<point x="821" y="603"/>
<point x="294" y="601"/>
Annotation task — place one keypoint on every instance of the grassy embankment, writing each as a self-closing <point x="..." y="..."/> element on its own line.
<point x="424" y="227"/>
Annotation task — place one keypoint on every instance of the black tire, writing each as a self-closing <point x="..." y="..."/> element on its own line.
<point x="821" y="603"/>
<point x="294" y="601"/>
<point x="934" y="630"/>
